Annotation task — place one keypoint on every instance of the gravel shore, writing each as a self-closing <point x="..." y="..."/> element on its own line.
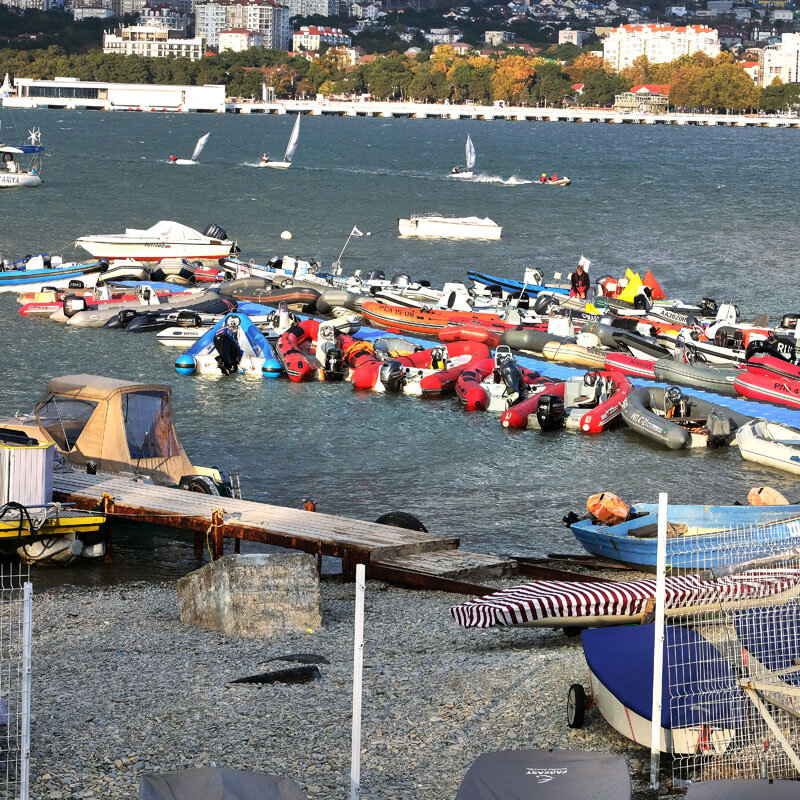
<point x="122" y="687"/>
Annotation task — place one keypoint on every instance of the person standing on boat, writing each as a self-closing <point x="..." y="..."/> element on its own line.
<point x="579" y="282"/>
<point x="11" y="165"/>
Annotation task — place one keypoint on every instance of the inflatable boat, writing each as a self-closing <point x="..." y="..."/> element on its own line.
<point x="769" y="388"/>
<point x="313" y="350"/>
<point x="771" y="444"/>
<point x="628" y="365"/>
<point x="576" y="354"/>
<point x="233" y="346"/>
<point x="430" y="322"/>
<point x="697" y="376"/>
<point x="679" y="421"/>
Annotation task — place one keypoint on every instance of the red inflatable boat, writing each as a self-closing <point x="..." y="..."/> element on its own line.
<point x="628" y="365"/>
<point x="306" y="358"/>
<point x="769" y="388"/>
<point x="770" y="365"/>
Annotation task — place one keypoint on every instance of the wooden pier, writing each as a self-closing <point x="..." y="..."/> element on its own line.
<point x="394" y="554"/>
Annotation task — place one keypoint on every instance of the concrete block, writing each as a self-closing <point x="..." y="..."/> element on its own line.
<point x="253" y="596"/>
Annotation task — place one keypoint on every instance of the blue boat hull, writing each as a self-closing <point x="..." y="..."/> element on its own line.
<point x="16" y="280"/>
<point x="697" y="550"/>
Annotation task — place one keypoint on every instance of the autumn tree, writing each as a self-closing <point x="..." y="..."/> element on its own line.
<point x="512" y="79"/>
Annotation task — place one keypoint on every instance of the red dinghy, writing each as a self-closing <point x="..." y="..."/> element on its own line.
<point x="597" y="419"/>
<point x="471" y="333"/>
<point x="628" y="365"/>
<point x="312" y="350"/>
<point x="426" y="321"/>
<point x="770" y="365"/>
<point x="490" y="386"/>
<point x="522" y="414"/>
<point x="769" y="388"/>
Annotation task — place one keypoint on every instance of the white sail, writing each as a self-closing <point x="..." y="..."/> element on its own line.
<point x="292" y="146"/>
<point x="198" y="148"/>
<point x="470" y="154"/>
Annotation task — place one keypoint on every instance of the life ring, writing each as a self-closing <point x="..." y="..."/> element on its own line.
<point x="8" y="157"/>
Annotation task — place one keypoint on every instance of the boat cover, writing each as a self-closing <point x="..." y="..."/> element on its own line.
<point x="21" y="148"/>
<point x="167" y="231"/>
<point x="772" y="636"/>
<point x="542" y="600"/>
<point x="744" y="790"/>
<point x="218" y="783"/>
<point x="546" y="775"/>
<point x="699" y="688"/>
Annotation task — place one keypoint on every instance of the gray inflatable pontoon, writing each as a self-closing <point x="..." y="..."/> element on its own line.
<point x="546" y="775"/>
<point x="531" y="340"/>
<point x="697" y="376"/>
<point x="733" y="789"/>
<point x="217" y="783"/>
<point x="667" y="415"/>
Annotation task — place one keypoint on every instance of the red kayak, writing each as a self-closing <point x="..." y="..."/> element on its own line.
<point x="597" y="419"/>
<point x="628" y="365"/>
<point x="770" y="365"/>
<point x="769" y="388"/>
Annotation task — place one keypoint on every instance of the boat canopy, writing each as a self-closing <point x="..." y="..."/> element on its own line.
<point x="20" y="149"/>
<point x="167" y="231"/>
<point x="121" y="426"/>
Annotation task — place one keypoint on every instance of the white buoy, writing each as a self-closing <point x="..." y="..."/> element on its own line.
<point x="286" y="235"/>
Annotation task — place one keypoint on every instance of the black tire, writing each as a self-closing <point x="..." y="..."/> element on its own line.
<point x="202" y="484"/>
<point x="400" y="519"/>
<point x="576" y="705"/>
<point x="571" y="631"/>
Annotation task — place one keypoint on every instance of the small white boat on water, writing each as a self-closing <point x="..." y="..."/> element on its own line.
<point x="440" y="226"/>
<point x="467" y="172"/>
<point x="290" y="148"/>
<point x="165" y="239"/>
<point x="771" y="444"/>
<point x="34" y="273"/>
<point x="13" y="172"/>
<point x="198" y="148"/>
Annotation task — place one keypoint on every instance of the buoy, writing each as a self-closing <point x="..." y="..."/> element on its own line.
<point x="185" y="365"/>
<point x="271" y="368"/>
<point x="286" y="235"/>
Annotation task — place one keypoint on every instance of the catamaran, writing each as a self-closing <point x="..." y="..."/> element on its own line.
<point x="12" y="173"/>
<point x="457" y="172"/>
<point x="290" y="148"/>
<point x="198" y="148"/>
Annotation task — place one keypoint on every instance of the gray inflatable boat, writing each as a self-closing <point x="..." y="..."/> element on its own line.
<point x="697" y="376"/>
<point x="679" y="421"/>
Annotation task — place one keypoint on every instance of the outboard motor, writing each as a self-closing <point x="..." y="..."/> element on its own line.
<point x="126" y="316"/>
<point x="769" y="347"/>
<point x="188" y="319"/>
<point x="392" y="375"/>
<point x="73" y="305"/>
<point x="789" y="322"/>
<point x="731" y="338"/>
<point x="543" y="304"/>
<point x="46" y="261"/>
<point x="214" y="231"/>
<point x="424" y="283"/>
<point x="401" y="280"/>
<point x="495" y="292"/>
<point x="229" y="354"/>
<point x="550" y="412"/>
<point x="104" y="263"/>
<point x="719" y="429"/>
<point x="641" y="302"/>
<point x="520" y="299"/>
<point x="334" y="364"/>
<point x="75" y="284"/>
<point x="511" y="375"/>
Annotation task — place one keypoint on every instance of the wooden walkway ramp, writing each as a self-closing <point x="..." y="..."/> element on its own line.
<point x="394" y="554"/>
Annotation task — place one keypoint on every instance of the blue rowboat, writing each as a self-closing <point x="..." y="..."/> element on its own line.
<point x="701" y="536"/>
<point x="19" y="279"/>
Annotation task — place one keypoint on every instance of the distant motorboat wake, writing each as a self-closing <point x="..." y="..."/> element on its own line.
<point x="512" y="181"/>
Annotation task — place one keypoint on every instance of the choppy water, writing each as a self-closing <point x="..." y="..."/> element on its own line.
<point x="712" y="211"/>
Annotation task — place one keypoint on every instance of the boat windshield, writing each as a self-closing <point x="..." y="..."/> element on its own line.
<point x="64" y="419"/>
<point x="148" y="425"/>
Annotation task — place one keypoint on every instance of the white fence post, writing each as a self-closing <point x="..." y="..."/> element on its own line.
<point x="658" y="641"/>
<point x="27" y="636"/>
<point x="358" y="664"/>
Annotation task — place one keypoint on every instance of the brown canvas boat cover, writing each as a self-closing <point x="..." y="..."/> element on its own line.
<point x="121" y="426"/>
<point x="218" y="783"/>
<point x="546" y="775"/>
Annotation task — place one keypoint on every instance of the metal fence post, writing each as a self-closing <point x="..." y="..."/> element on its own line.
<point x="27" y="636"/>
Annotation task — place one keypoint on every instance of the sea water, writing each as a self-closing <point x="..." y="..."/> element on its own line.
<point x="711" y="211"/>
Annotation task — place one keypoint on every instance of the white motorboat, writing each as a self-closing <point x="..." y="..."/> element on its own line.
<point x="771" y="444"/>
<point x="165" y="239"/>
<point x="290" y="148"/>
<point x="439" y="226"/>
<point x="32" y="274"/>
<point x="198" y="148"/>
<point x="467" y="172"/>
<point x="13" y="175"/>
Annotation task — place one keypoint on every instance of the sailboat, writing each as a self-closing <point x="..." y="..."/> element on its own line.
<point x="198" y="148"/>
<point x="470" y="155"/>
<point x="290" y="148"/>
<point x="14" y="174"/>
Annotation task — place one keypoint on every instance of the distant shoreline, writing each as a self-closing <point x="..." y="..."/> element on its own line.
<point x="410" y="110"/>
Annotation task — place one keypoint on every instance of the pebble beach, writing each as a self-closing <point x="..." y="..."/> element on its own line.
<point x="121" y="687"/>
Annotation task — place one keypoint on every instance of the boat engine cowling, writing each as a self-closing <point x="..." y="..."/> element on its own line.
<point x="126" y="316"/>
<point x="214" y="231"/>
<point x="511" y="375"/>
<point x="188" y="319"/>
<point x="334" y="364"/>
<point x="392" y="375"/>
<point x="719" y="429"/>
<point x="72" y="305"/>
<point x="229" y="354"/>
<point x="550" y="412"/>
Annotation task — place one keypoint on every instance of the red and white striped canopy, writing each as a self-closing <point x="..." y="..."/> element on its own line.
<point x="542" y="600"/>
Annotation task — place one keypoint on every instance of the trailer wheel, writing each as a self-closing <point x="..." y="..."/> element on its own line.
<point x="400" y="519"/>
<point x="571" y="631"/>
<point x="198" y="483"/>
<point x="576" y="705"/>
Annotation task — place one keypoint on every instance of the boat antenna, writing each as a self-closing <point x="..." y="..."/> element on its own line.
<point x="336" y="267"/>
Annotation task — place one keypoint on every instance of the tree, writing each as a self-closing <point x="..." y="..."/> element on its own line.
<point x="551" y="86"/>
<point x="512" y="79"/>
<point x="638" y="72"/>
<point x="600" y="87"/>
<point x="582" y="66"/>
<point x="428" y="85"/>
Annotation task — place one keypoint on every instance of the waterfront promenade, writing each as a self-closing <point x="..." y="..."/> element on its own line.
<point x="344" y="108"/>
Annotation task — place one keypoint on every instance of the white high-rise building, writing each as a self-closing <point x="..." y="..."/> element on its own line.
<point x="140" y="40"/>
<point x="162" y="15"/>
<point x="780" y="61"/>
<point x="307" y="8"/>
<point x="34" y="5"/>
<point x="660" y="43"/>
<point x="266" y="17"/>
<point x="310" y="37"/>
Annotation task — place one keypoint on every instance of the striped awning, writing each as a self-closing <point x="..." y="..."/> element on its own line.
<point x="539" y="601"/>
